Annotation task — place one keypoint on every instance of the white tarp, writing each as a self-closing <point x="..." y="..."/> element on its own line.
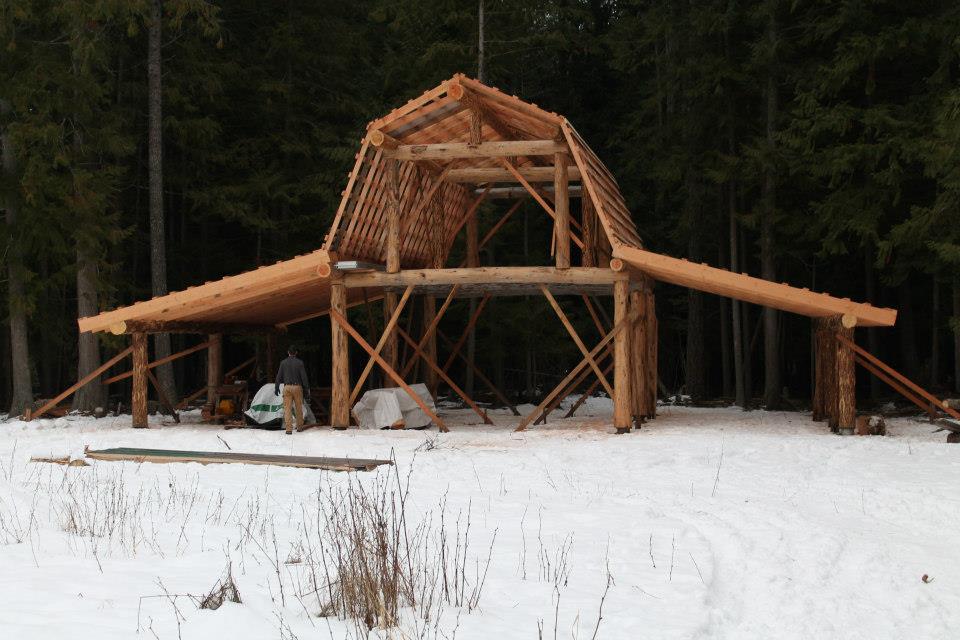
<point x="266" y="409"/>
<point x="380" y="408"/>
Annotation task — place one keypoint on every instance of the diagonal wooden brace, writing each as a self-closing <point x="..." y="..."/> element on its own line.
<point x="453" y="385"/>
<point x="387" y="330"/>
<point x="466" y="332"/>
<point x="576" y="338"/>
<point x="536" y="196"/>
<point x="484" y="379"/>
<point x="573" y="374"/>
<point x="390" y="371"/>
<point x="428" y="332"/>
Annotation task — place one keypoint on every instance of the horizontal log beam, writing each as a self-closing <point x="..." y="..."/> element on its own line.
<point x="453" y="150"/>
<point x="184" y="326"/>
<point x="513" y="193"/>
<point x="485" y="275"/>
<point x="495" y="174"/>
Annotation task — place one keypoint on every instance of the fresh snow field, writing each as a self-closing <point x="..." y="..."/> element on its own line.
<point x="707" y="523"/>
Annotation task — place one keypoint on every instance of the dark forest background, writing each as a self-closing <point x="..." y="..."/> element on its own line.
<point x="808" y="142"/>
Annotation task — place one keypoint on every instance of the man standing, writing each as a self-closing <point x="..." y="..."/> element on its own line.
<point x="293" y="376"/>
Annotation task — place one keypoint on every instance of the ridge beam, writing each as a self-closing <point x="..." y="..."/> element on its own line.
<point x="454" y="150"/>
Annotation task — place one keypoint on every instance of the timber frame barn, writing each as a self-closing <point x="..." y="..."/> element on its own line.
<point x="420" y="175"/>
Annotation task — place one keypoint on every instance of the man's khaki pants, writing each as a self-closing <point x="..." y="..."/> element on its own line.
<point x="292" y="396"/>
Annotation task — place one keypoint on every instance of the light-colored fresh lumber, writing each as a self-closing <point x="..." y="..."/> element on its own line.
<point x="161" y="361"/>
<point x="498" y="149"/>
<point x="756" y="290"/>
<point x="340" y="357"/>
<point x="621" y="359"/>
<point x="486" y="275"/>
<point x="138" y="401"/>
<point x="481" y="175"/>
<point x="561" y="207"/>
<point x="224" y="457"/>
<point x="385" y="338"/>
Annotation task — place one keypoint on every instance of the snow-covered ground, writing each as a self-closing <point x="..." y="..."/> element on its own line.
<point x="707" y="523"/>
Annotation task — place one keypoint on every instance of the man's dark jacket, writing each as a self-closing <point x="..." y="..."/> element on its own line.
<point x="292" y="371"/>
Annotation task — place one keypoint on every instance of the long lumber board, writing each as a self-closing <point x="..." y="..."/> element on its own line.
<point x="218" y="457"/>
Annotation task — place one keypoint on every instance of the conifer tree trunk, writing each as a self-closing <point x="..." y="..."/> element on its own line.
<point x="695" y="362"/>
<point x="873" y="337"/>
<point x="22" y="382"/>
<point x="955" y="324"/>
<point x="726" y="355"/>
<point x="771" y="342"/>
<point x="158" y="244"/>
<point x="935" y="335"/>
<point x="90" y="396"/>
<point x="735" y="306"/>
<point x="473" y="260"/>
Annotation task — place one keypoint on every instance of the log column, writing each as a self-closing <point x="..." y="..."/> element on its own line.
<point x="825" y="371"/>
<point x="430" y="348"/>
<point x="214" y="368"/>
<point x="652" y="372"/>
<point x="846" y="377"/>
<point x="621" y="358"/>
<point x="561" y="205"/>
<point x="340" y="358"/>
<point x="138" y="400"/>
<point x="638" y="343"/>
<point x="390" y="298"/>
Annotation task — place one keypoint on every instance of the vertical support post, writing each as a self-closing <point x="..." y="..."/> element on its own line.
<point x="588" y="226"/>
<point x="846" y="377"/>
<point x="271" y="372"/>
<point x="819" y="406"/>
<point x="825" y="394"/>
<point x="390" y="298"/>
<point x="652" y="370"/>
<point x="561" y="209"/>
<point x="340" y="358"/>
<point x="638" y="344"/>
<point x="214" y="368"/>
<point x="430" y="348"/>
<point x="621" y="358"/>
<point x="138" y="401"/>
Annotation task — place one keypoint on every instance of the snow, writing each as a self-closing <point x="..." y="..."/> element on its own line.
<point x="712" y="523"/>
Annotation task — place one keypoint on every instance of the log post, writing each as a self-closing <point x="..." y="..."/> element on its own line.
<point x="561" y="203"/>
<point x="638" y="343"/>
<point x="430" y="348"/>
<point x="621" y="358"/>
<point x="340" y="359"/>
<point x="825" y="368"/>
<point x="138" y="400"/>
<point x="271" y="372"/>
<point x="819" y="373"/>
<point x="390" y="298"/>
<point x="846" y="377"/>
<point x="652" y="371"/>
<point x="214" y="368"/>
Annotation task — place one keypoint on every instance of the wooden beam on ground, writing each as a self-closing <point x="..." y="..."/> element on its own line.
<point x="390" y="371"/>
<point x="436" y="368"/>
<point x="621" y="359"/>
<point x="161" y="361"/>
<point x="484" y="379"/>
<point x="340" y="357"/>
<point x="484" y="175"/>
<point x="756" y="290"/>
<point x="138" y="401"/>
<point x="183" y="326"/>
<point x="576" y="339"/>
<point x="87" y="379"/>
<point x="388" y="332"/>
<point x="223" y="457"/>
<point x="162" y="395"/>
<point x="455" y="150"/>
<point x="486" y="275"/>
<point x="617" y="329"/>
